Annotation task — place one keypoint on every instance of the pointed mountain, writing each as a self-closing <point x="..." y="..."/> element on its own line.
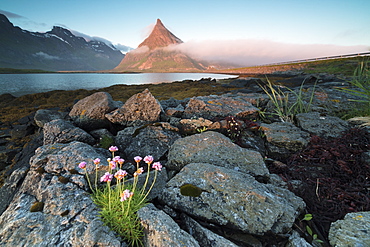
<point x="152" y="54"/>
<point x="160" y="37"/>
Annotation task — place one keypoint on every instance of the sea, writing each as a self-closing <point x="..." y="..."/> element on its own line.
<point x="22" y="84"/>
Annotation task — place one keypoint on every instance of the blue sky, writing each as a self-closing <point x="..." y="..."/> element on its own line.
<point x="240" y="29"/>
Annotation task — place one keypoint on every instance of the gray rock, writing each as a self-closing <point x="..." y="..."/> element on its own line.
<point x="353" y="230"/>
<point x="44" y="116"/>
<point x="9" y="188"/>
<point x="20" y="131"/>
<point x="284" y="138"/>
<point x="204" y="236"/>
<point x="151" y="140"/>
<point x="212" y="106"/>
<point x="297" y="241"/>
<point x="233" y="199"/>
<point x="323" y="126"/>
<point x="214" y="148"/>
<point x="141" y="108"/>
<point x="64" y="158"/>
<point x="161" y="230"/>
<point x="89" y="113"/>
<point x="68" y="216"/>
<point x="61" y="131"/>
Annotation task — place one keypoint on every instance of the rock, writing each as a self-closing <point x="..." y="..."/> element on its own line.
<point x="323" y="126"/>
<point x="68" y="216"/>
<point x="297" y="241"/>
<point x="161" y="230"/>
<point x="141" y="108"/>
<point x="353" y="230"/>
<point x="61" y="131"/>
<point x="214" y="148"/>
<point x="244" y="82"/>
<point x="21" y="131"/>
<point x="9" y="188"/>
<point x="192" y="126"/>
<point x="64" y="158"/>
<point x="151" y="140"/>
<point x="204" y="236"/>
<point x="44" y="116"/>
<point x="211" y="107"/>
<point x="284" y="138"/>
<point x="233" y="199"/>
<point x="89" y="113"/>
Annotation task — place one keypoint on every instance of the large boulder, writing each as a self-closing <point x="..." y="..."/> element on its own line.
<point x="232" y="199"/>
<point x="151" y="140"/>
<point x="323" y="126"/>
<point x="62" y="131"/>
<point x="211" y="107"/>
<point x="214" y="148"/>
<point x="139" y="109"/>
<point x="89" y="113"/>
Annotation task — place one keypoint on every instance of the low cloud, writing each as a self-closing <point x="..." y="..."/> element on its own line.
<point x="46" y="56"/>
<point x="10" y="14"/>
<point x="139" y="50"/>
<point x="251" y="52"/>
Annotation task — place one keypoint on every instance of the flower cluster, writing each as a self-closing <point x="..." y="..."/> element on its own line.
<point x="129" y="196"/>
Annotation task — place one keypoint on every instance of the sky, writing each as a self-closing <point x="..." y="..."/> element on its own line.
<point x="244" y="32"/>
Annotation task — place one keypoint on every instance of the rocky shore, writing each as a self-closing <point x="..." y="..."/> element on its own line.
<point x="226" y="144"/>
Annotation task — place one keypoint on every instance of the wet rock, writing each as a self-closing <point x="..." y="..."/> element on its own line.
<point x="139" y="109"/>
<point x="44" y="116"/>
<point x="284" y="138"/>
<point x="353" y="230"/>
<point x="233" y="199"/>
<point x="214" y="148"/>
<point x="323" y="126"/>
<point x="161" y="230"/>
<point x="61" y="131"/>
<point x="89" y="113"/>
<point x="211" y="107"/>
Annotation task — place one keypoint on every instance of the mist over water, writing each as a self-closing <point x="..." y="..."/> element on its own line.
<point x="21" y="84"/>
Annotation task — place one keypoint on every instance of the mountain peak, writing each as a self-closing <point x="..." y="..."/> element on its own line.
<point x="160" y="37"/>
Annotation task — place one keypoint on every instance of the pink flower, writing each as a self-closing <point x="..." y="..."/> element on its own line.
<point x="157" y="166"/>
<point x="125" y="195"/>
<point x="138" y="172"/>
<point x="116" y="158"/>
<point x="82" y="165"/>
<point x="112" y="165"/>
<point x="107" y="177"/>
<point x="148" y="159"/>
<point x="121" y="161"/>
<point x="96" y="161"/>
<point x="120" y="174"/>
<point x="137" y="159"/>
<point x="113" y="149"/>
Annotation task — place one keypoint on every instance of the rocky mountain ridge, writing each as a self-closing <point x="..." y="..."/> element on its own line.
<point x="56" y="50"/>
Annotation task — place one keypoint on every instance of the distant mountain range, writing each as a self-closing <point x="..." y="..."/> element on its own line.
<point x="56" y="50"/>
<point x="155" y="55"/>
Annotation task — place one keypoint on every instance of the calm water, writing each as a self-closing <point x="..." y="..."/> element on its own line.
<point x="21" y="84"/>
